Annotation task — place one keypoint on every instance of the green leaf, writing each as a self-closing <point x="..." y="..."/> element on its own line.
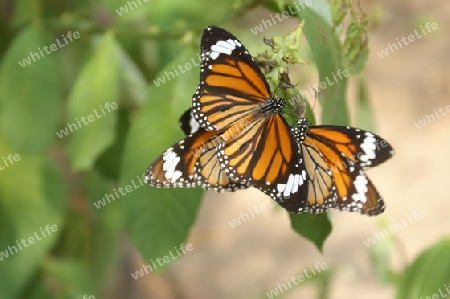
<point x="380" y="252"/>
<point x="105" y="232"/>
<point x="37" y="288"/>
<point x="428" y="275"/>
<point x="159" y="219"/>
<point x="328" y="56"/>
<point x="25" y="11"/>
<point x="132" y="79"/>
<point x="327" y="53"/>
<point x="73" y="277"/>
<point x="339" y="9"/>
<point x="93" y="105"/>
<point x="315" y="228"/>
<point x="380" y="257"/>
<point x="181" y="18"/>
<point x="298" y="106"/>
<point x="364" y="117"/>
<point x="25" y="211"/>
<point x="110" y="161"/>
<point x="30" y="92"/>
<point x="356" y="47"/>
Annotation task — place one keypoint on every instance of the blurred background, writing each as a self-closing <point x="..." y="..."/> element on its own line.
<point x="121" y="51"/>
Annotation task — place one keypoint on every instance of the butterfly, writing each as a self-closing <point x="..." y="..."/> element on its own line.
<point x="246" y="141"/>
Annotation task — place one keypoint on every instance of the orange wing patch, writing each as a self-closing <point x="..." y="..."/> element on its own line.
<point x="256" y="153"/>
<point x="339" y="140"/>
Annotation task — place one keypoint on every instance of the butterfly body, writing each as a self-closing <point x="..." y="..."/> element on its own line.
<point x="272" y="106"/>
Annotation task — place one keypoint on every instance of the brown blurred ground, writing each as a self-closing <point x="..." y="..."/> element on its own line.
<point x="251" y="259"/>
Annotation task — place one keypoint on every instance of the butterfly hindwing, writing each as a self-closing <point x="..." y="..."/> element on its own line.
<point x="192" y="162"/>
<point x="264" y="154"/>
<point x="176" y="167"/>
<point x="321" y="194"/>
<point x="209" y="175"/>
<point x="362" y="196"/>
<point x="319" y="190"/>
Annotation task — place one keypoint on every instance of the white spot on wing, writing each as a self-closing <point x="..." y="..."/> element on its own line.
<point x="171" y="161"/>
<point x="361" y="188"/>
<point x="194" y="125"/>
<point x="229" y="44"/>
<point x="296" y="181"/>
<point x="368" y="146"/>
<point x="291" y="186"/>
<point x="223" y="47"/>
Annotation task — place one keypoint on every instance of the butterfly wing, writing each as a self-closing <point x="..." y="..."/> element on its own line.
<point x="362" y="195"/>
<point x="360" y="147"/>
<point x="188" y="124"/>
<point x="263" y="154"/>
<point x="192" y="162"/>
<point x="347" y="151"/>
<point x="321" y="195"/>
<point x="231" y="86"/>
<point x="197" y="165"/>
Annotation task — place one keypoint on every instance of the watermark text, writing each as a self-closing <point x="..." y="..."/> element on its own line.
<point x="107" y="108"/>
<point x="440" y="293"/>
<point x="8" y="161"/>
<point x="429" y="118"/>
<point x="53" y="47"/>
<point x="116" y="194"/>
<point x="296" y="280"/>
<point x="393" y="228"/>
<point x="25" y="243"/>
<point x="404" y="41"/>
<point x="159" y="262"/>
<point x="279" y="17"/>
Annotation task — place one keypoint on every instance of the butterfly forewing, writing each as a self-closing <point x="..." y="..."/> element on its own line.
<point x="188" y="124"/>
<point x="231" y="83"/>
<point x="361" y="147"/>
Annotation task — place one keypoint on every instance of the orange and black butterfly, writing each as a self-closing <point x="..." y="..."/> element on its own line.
<point x="241" y="139"/>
